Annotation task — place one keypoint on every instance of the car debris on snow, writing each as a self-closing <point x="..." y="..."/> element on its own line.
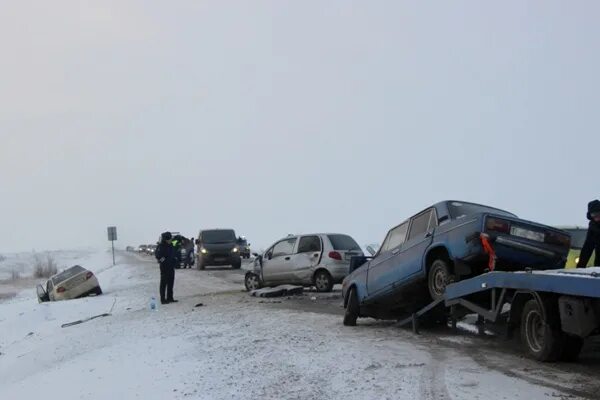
<point x="278" y="291"/>
<point x="81" y="321"/>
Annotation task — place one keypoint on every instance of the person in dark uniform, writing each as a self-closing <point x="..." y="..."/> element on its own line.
<point x="167" y="258"/>
<point x="592" y="240"/>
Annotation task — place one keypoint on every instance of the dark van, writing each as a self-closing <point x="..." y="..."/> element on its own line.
<point x="218" y="247"/>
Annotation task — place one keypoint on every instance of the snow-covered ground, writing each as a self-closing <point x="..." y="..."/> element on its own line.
<point x="238" y="347"/>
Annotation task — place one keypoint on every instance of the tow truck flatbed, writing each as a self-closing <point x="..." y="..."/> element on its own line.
<point x="575" y="282"/>
<point x="554" y="309"/>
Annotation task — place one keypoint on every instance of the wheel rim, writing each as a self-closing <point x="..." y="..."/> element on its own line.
<point x="322" y="282"/>
<point x="252" y="282"/>
<point x="534" y="328"/>
<point x="440" y="281"/>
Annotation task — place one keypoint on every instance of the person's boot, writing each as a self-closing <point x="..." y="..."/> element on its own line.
<point x="172" y="301"/>
<point x="163" y="301"/>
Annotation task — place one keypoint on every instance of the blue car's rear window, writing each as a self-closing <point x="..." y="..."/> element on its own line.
<point x="459" y="209"/>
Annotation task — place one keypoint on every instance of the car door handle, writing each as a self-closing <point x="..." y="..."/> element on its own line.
<point x="396" y="251"/>
<point x="316" y="255"/>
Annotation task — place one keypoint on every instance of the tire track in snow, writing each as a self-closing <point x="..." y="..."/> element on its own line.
<point x="511" y="371"/>
<point x="433" y="379"/>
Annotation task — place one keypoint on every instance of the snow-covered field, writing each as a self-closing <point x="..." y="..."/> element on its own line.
<point x="23" y="263"/>
<point x="237" y="347"/>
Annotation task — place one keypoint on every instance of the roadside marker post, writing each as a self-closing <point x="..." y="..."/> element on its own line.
<point x="112" y="236"/>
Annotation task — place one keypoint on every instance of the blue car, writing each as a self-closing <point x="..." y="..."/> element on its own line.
<point x="446" y="242"/>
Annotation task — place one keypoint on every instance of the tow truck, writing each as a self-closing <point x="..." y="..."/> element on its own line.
<point x="555" y="310"/>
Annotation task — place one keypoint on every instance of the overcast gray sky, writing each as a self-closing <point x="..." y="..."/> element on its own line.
<point x="275" y="117"/>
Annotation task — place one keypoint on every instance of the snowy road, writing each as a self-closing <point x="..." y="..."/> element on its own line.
<point x="239" y="347"/>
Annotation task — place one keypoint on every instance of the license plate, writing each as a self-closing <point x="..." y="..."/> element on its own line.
<point x="527" y="234"/>
<point x="219" y="258"/>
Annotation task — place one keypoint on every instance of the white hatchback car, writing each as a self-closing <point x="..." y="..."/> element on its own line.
<point x="72" y="283"/>
<point x="319" y="260"/>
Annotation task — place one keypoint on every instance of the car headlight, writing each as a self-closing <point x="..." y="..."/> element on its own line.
<point x="577" y="260"/>
<point x="203" y="250"/>
<point x="235" y="250"/>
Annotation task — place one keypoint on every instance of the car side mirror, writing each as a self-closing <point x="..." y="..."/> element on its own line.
<point x="371" y="250"/>
<point x="197" y="242"/>
<point x="269" y="256"/>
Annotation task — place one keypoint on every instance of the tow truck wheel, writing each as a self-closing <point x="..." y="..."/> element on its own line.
<point x="571" y="348"/>
<point x="542" y="339"/>
<point x="438" y="278"/>
<point x="352" y="309"/>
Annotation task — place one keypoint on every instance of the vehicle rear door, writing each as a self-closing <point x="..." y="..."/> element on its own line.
<point x="419" y="238"/>
<point x="383" y="268"/>
<point x="305" y="258"/>
<point x="278" y="259"/>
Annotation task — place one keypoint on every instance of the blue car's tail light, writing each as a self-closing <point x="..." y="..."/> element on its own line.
<point x="559" y="239"/>
<point x="497" y="225"/>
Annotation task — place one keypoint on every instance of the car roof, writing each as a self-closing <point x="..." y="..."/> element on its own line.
<point x="53" y="277"/>
<point x="473" y="204"/>
<point x="314" y="234"/>
<point x="444" y="204"/>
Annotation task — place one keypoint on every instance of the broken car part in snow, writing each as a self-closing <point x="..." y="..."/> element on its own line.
<point x="81" y="321"/>
<point x="278" y="291"/>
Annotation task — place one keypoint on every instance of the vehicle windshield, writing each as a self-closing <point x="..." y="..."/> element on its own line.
<point x="577" y="237"/>
<point x="218" y="236"/>
<point x="67" y="274"/>
<point x="460" y="210"/>
<point x="343" y="242"/>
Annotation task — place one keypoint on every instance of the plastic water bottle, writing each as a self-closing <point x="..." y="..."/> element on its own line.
<point x="153" y="304"/>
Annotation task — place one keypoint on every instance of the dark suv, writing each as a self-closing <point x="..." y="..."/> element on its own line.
<point x="218" y="247"/>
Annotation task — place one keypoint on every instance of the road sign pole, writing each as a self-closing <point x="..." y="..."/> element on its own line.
<point x="112" y="236"/>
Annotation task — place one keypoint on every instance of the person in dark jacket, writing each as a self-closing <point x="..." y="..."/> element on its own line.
<point x="592" y="240"/>
<point x="167" y="258"/>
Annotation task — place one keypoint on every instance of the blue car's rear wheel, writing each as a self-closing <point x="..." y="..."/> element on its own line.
<point x="438" y="278"/>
